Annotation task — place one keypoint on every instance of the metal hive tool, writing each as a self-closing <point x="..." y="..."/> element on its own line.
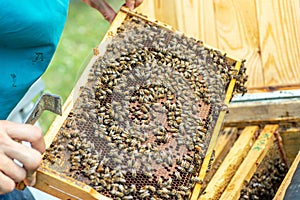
<point x="143" y="122"/>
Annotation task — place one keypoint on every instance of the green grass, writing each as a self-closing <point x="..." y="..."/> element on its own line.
<point x="84" y="30"/>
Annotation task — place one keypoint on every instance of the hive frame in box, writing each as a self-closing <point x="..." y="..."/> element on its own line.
<point x="65" y="187"/>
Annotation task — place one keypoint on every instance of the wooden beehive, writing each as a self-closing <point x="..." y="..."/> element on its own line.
<point x="58" y="177"/>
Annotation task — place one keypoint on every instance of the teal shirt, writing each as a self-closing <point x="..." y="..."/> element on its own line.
<point x="29" y="33"/>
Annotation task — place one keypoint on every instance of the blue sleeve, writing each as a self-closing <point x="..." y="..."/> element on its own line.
<point x="29" y="33"/>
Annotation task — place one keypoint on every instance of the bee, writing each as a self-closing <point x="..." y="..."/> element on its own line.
<point x="85" y="115"/>
<point x="181" y="169"/>
<point x="71" y="147"/>
<point x="188" y="158"/>
<point x="160" y="182"/>
<point x="196" y="179"/>
<point x="120" y="180"/>
<point x="127" y="197"/>
<point x="99" y="188"/>
<point x="132" y="189"/>
<point x="151" y="188"/>
<point x="145" y="194"/>
<point x="149" y="175"/>
<point x="117" y="193"/>
<point x="170" y="160"/>
<point x="133" y="172"/>
<point x="184" y="188"/>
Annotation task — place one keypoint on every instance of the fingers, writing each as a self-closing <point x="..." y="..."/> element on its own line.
<point x="11" y="169"/>
<point x="29" y="157"/>
<point x="137" y="3"/>
<point x="133" y="3"/>
<point x="25" y="132"/>
<point x="108" y="13"/>
<point x="103" y="7"/>
<point x="7" y="184"/>
<point x="130" y="4"/>
<point x="10" y="148"/>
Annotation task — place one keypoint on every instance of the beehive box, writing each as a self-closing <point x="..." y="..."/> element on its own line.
<point x="252" y="162"/>
<point x="144" y="117"/>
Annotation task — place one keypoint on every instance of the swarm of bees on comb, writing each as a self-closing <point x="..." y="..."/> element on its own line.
<point x="142" y="124"/>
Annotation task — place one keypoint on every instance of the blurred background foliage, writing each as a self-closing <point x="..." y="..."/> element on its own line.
<point x="84" y="30"/>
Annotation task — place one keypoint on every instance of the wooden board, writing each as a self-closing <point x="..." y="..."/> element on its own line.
<point x="64" y="187"/>
<point x="291" y="143"/>
<point x="182" y="14"/>
<point x="287" y="180"/>
<point x="246" y="170"/>
<point x="237" y="34"/>
<point x="230" y="164"/>
<point x="279" y="27"/>
<point x="260" y="113"/>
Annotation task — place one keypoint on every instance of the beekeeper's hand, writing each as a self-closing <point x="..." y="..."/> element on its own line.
<point x="104" y="8"/>
<point x="10" y="148"/>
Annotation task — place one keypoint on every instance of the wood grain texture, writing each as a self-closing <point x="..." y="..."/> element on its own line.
<point x="249" y="165"/>
<point x="279" y="25"/>
<point x="230" y="164"/>
<point x="165" y="11"/>
<point x="238" y="35"/>
<point x="196" y="19"/>
<point x="260" y="113"/>
<point x="64" y="187"/>
<point x="147" y="8"/>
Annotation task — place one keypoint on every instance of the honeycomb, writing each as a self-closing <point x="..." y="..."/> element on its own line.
<point x="143" y="121"/>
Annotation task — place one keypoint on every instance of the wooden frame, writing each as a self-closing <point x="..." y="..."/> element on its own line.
<point x="250" y="163"/>
<point x="287" y="180"/>
<point x="230" y="164"/>
<point x="67" y="188"/>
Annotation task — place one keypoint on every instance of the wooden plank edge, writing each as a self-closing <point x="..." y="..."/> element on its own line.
<point x="287" y="180"/>
<point x="281" y="148"/>
<point x="273" y="88"/>
<point x="64" y="187"/>
<point x="206" y="162"/>
<point x="281" y="120"/>
<point x="248" y="167"/>
<point x="230" y="164"/>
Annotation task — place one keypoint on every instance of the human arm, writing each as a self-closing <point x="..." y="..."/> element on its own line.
<point x="10" y="148"/>
<point x="104" y="8"/>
